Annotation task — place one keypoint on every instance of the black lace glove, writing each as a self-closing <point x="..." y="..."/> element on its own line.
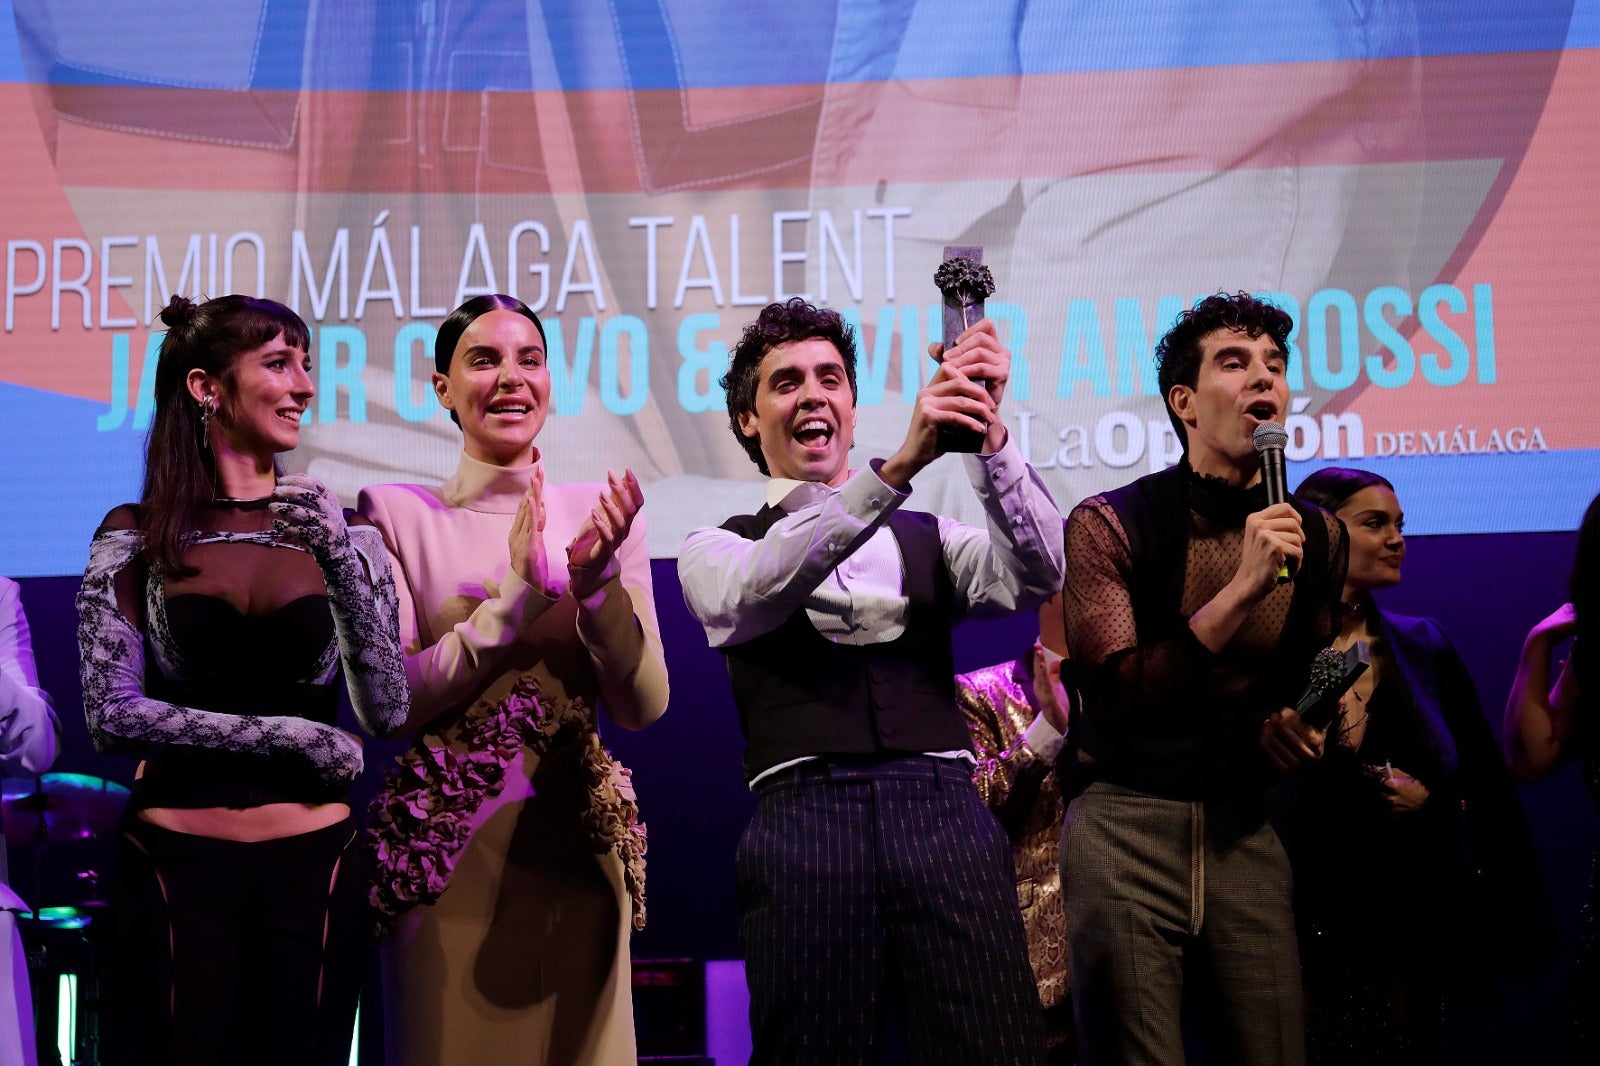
<point x="361" y="595"/>
<point x="123" y="719"/>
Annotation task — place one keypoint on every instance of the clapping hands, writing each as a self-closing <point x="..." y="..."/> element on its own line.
<point x="592" y="553"/>
<point x="526" y="539"/>
<point x="1049" y="692"/>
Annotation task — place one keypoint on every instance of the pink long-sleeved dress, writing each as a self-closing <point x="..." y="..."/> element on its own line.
<point x="525" y="956"/>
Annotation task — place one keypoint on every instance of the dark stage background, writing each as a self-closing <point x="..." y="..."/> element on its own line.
<point x="1486" y="590"/>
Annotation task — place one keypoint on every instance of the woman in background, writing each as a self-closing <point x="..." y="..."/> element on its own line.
<point x="525" y="605"/>
<point x="29" y="734"/>
<point x="214" y="618"/>
<point x="1414" y="871"/>
<point x="1017" y="715"/>
<point x="1547" y="726"/>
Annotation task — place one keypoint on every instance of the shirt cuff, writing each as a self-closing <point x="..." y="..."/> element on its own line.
<point x="1002" y="469"/>
<point x="874" y="488"/>
<point x="1043" y="739"/>
<point x="864" y="500"/>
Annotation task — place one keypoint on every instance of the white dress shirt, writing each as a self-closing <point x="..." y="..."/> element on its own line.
<point x="833" y="554"/>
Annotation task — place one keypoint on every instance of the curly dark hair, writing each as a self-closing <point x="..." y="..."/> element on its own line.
<point x="780" y="323"/>
<point x="1178" y="353"/>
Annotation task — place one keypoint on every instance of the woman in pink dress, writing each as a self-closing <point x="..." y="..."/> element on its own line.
<point x="525" y="606"/>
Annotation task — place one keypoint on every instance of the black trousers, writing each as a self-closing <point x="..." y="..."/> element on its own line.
<point x="864" y="881"/>
<point x="231" y="952"/>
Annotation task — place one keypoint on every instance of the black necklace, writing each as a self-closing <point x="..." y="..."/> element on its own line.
<point x="234" y="503"/>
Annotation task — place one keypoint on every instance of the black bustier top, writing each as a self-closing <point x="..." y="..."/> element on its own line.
<point x="252" y="664"/>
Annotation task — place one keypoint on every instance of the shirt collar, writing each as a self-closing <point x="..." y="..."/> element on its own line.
<point x="789" y="495"/>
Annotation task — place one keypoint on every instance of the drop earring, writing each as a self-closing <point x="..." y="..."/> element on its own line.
<point x="208" y="411"/>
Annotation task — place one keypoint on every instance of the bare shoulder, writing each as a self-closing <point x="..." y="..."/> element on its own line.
<point x="124" y="516"/>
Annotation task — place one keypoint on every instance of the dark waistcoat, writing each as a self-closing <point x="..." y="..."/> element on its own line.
<point x="799" y="693"/>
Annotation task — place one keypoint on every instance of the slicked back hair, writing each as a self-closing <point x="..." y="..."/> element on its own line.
<point x="1331" y="487"/>
<point x="451" y="329"/>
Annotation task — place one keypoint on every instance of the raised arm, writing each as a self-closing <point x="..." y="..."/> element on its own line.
<point x="442" y="675"/>
<point x="1128" y="677"/>
<point x="29" y="731"/>
<point x="739" y="588"/>
<point x="1019" y="560"/>
<point x="123" y="719"/>
<point x="361" y="596"/>
<point x="1016" y="748"/>
<point x="609" y="576"/>
<point x="1125" y="675"/>
<point x="1540" y="719"/>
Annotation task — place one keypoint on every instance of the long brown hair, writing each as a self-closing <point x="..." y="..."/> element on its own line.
<point x="179" y="469"/>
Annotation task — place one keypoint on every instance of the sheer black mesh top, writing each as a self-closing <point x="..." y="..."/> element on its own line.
<point x="229" y="686"/>
<point x="1162" y="713"/>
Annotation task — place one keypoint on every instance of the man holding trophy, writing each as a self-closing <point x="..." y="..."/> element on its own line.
<point x="872" y="869"/>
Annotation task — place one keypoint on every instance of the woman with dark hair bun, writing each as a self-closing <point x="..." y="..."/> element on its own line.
<point x="1547" y="726"/>
<point x="215" y="618"/>
<point x="1413" y="868"/>
<point x="525" y="606"/>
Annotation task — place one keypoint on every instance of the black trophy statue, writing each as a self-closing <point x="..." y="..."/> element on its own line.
<point x="965" y="283"/>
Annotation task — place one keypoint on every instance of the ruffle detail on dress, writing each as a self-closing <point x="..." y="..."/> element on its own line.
<point x="421" y="818"/>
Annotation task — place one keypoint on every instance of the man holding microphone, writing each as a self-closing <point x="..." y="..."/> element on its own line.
<point x="1190" y="646"/>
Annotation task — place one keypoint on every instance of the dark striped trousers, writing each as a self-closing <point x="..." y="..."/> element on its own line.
<point x="864" y="880"/>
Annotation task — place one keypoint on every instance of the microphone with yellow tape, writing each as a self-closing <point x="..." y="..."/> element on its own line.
<point x="1270" y="439"/>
